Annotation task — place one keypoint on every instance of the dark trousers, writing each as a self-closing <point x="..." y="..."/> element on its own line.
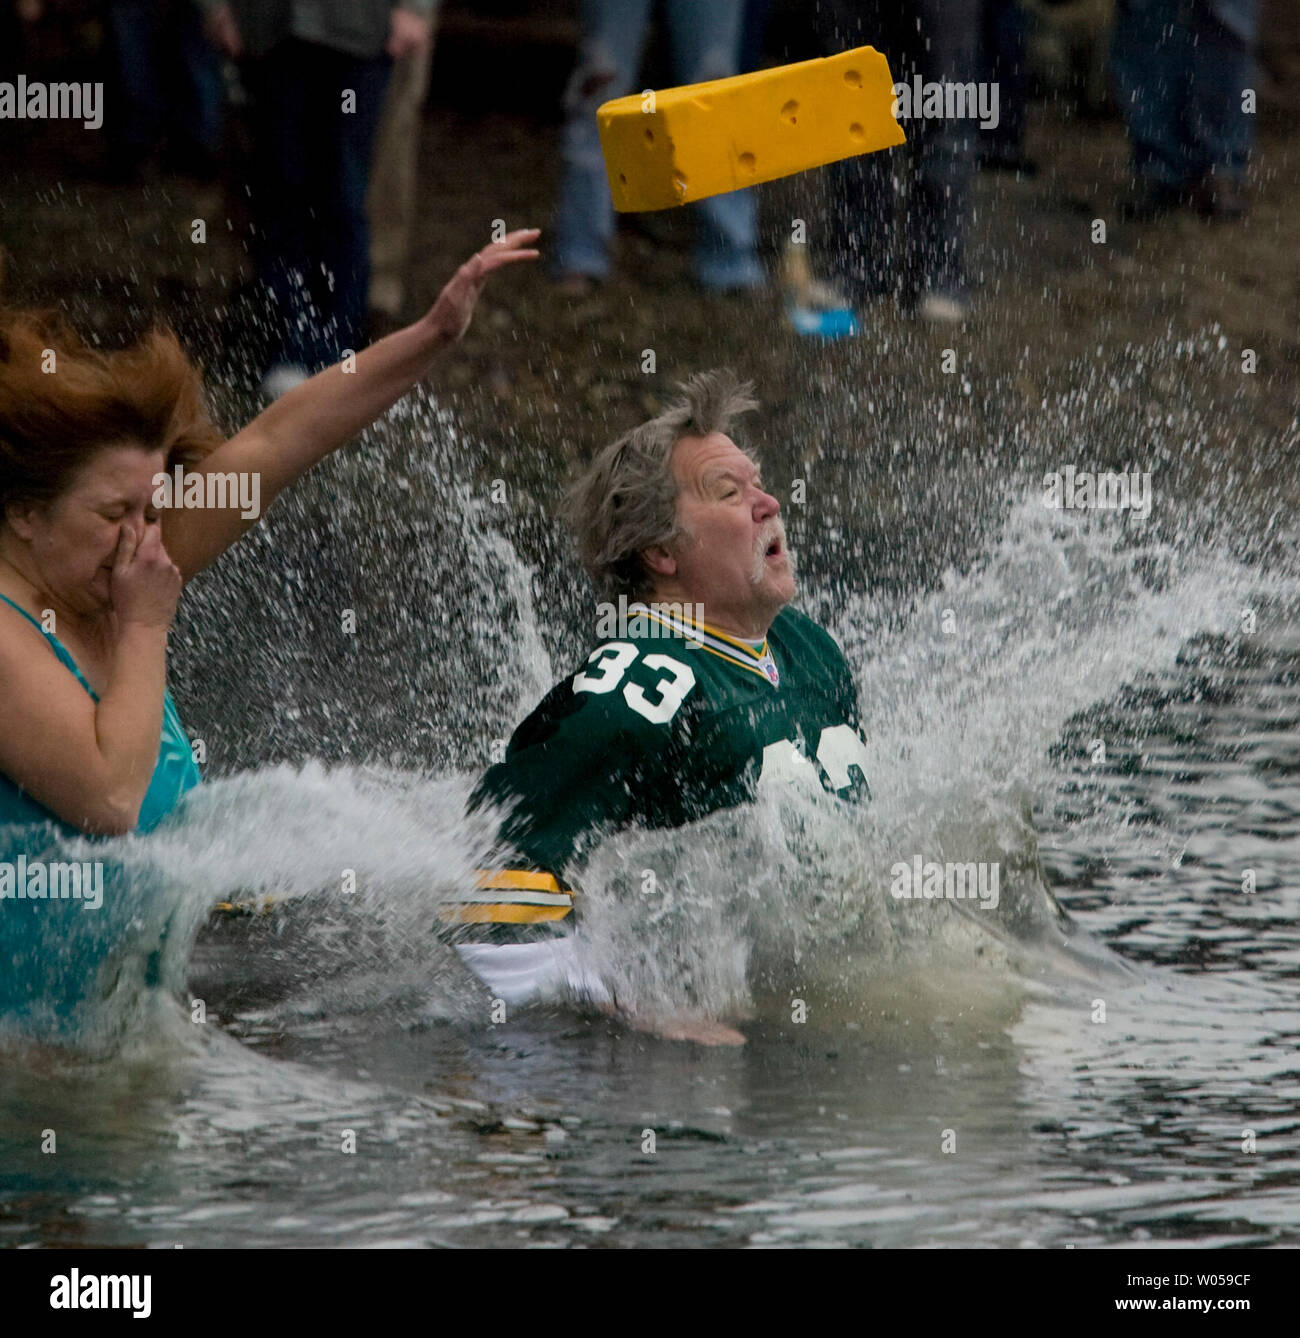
<point x="1181" y="70"/>
<point x="1005" y="29"/>
<point x="311" y="169"/>
<point x="874" y="247"/>
<point x="169" y="78"/>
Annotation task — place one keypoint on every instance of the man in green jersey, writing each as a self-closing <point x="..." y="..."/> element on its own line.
<point x="705" y="685"/>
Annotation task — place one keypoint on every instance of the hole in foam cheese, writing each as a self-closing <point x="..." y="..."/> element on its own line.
<point x="705" y="139"/>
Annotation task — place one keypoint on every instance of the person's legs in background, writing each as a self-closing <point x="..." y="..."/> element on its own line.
<point x="1151" y="60"/>
<point x="1004" y="63"/>
<point x="613" y="38"/>
<point x="1223" y="67"/>
<point x="705" y="38"/>
<point x="170" y="86"/>
<point x="753" y="31"/>
<point x="943" y="155"/>
<point x="393" y="177"/>
<point x="135" y="29"/>
<point x="284" y="129"/>
<point x="859" y="241"/>
<point x="202" y="99"/>
<point x="341" y="200"/>
<point x="280" y="123"/>
<point x="312" y="167"/>
<point x="860" y="244"/>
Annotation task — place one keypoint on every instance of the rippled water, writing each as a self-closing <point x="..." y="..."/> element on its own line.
<point x="1087" y="1064"/>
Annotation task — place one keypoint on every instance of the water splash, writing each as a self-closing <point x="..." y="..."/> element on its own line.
<point x="335" y="752"/>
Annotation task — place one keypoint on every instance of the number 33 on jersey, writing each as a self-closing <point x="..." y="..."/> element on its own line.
<point x="663" y="728"/>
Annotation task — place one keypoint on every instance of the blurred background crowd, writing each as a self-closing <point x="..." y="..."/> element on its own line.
<point x="307" y="115"/>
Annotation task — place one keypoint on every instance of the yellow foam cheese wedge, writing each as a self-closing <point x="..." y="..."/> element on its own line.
<point x="668" y="147"/>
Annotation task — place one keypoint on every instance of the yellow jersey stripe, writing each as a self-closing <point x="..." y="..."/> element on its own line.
<point x="740" y="664"/>
<point x="503" y="914"/>
<point x="728" y="647"/>
<point x="524" y="880"/>
<point x="687" y="629"/>
<point x="742" y="646"/>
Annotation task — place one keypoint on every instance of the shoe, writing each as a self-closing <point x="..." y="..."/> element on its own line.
<point x="942" y="308"/>
<point x="812" y="306"/>
<point x="832" y="323"/>
<point x="281" y="379"/>
<point x="1152" y="200"/>
<point x="1221" y="200"/>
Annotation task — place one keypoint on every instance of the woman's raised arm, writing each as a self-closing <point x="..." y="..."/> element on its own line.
<point x="326" y="412"/>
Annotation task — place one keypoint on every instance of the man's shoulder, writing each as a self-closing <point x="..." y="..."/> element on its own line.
<point x="798" y="632"/>
<point x="629" y="690"/>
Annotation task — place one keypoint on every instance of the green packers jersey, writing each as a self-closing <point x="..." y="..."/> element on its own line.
<point x="668" y="723"/>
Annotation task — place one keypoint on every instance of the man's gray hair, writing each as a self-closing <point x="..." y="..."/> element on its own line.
<point x="625" y="501"/>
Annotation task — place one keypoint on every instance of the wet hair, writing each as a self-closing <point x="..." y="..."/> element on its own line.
<point x="625" y="501"/>
<point x="54" y="422"/>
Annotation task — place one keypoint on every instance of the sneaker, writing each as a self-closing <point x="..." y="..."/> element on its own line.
<point x="832" y="323"/>
<point x="281" y="379"/>
<point x="813" y="306"/>
<point x="1152" y="200"/>
<point x="942" y="308"/>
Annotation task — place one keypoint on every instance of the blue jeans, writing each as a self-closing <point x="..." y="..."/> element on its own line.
<point x="170" y="75"/>
<point x="1180" y="72"/>
<point x="704" y="37"/>
<point x="309" y="195"/>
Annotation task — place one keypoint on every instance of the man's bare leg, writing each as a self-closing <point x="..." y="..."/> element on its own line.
<point x="680" y="1027"/>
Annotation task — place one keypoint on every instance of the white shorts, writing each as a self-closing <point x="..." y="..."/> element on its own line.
<point x="520" y="973"/>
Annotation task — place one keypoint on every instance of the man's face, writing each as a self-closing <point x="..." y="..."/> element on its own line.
<point x="732" y="558"/>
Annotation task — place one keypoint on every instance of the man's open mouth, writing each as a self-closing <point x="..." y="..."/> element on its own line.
<point x="774" y="548"/>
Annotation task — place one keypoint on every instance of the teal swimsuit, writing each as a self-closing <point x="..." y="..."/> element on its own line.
<point x="57" y="954"/>
<point x="175" y="773"/>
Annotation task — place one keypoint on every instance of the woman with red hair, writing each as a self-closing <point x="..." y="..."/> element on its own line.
<point x="91" y="570"/>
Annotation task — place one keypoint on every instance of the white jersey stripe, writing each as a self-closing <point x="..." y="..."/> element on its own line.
<point x="501" y="898"/>
<point x="740" y="655"/>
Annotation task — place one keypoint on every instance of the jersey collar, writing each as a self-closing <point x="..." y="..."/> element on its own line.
<point x="727" y="647"/>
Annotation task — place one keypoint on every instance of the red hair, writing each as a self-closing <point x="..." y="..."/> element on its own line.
<point x="61" y="402"/>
